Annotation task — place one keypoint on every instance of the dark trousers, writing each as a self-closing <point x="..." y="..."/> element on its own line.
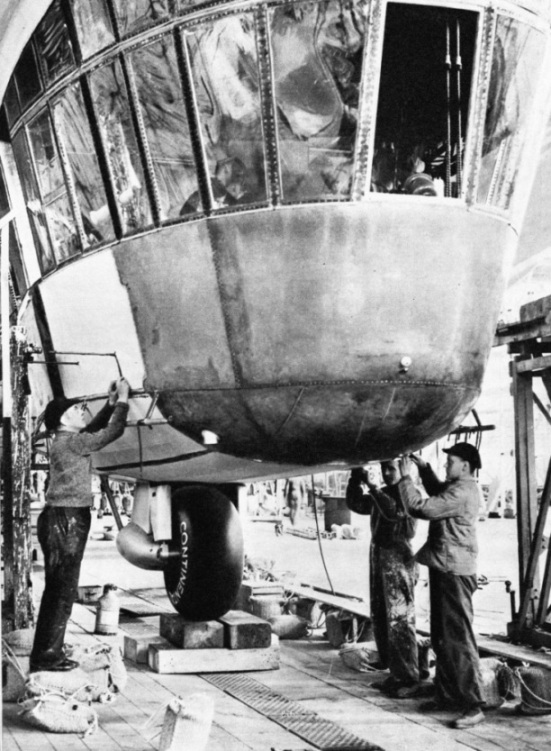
<point x="62" y="533"/>
<point x="451" y="626"/>
<point x="393" y="575"/>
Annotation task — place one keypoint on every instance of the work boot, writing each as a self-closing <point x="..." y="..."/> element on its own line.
<point x="468" y="719"/>
<point x="61" y="666"/>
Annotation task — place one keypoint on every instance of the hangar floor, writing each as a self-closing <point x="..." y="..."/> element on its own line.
<point x="311" y="675"/>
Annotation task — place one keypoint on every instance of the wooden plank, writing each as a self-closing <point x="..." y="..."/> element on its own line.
<point x="166" y="659"/>
<point x="357" y="607"/>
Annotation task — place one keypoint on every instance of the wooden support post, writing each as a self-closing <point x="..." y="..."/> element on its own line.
<point x="527" y="502"/>
<point x="528" y="587"/>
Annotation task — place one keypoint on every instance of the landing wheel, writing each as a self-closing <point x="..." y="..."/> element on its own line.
<point x="204" y="580"/>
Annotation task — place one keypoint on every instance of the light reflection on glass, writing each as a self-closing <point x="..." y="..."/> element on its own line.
<point x="317" y="51"/>
<point x="72" y="121"/>
<point x="166" y="125"/>
<point x="225" y="74"/>
<point x="115" y="123"/>
<point x="516" y="62"/>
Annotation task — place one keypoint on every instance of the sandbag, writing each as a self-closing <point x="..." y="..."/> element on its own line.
<point x="361" y="656"/>
<point x="490" y="668"/>
<point x="186" y="723"/>
<point x="20" y="641"/>
<point x="535" y="691"/>
<point x="57" y="713"/>
<point x="289" y="626"/>
<point x="14" y="673"/>
<point x="104" y="664"/>
<point x="76" y="683"/>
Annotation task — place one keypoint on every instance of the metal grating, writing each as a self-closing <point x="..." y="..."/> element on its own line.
<point x="309" y="726"/>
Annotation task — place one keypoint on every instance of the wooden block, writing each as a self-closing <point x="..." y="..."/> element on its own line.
<point x="191" y="634"/>
<point x="166" y="659"/>
<point x="254" y="588"/>
<point x="136" y="645"/>
<point x="245" y="631"/>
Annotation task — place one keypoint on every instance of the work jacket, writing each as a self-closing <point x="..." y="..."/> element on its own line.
<point x="452" y="509"/>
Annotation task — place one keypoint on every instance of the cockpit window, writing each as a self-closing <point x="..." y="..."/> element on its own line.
<point x="52" y="39"/>
<point x="166" y="125"/>
<point x="116" y="127"/>
<point x="55" y="200"/>
<point x="93" y="25"/>
<point x="424" y="97"/>
<point x="135" y="15"/>
<point x="224" y="65"/>
<point x="74" y="133"/>
<point x="317" y="58"/>
<point x="516" y="62"/>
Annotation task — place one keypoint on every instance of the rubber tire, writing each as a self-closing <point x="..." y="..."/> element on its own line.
<point x="204" y="581"/>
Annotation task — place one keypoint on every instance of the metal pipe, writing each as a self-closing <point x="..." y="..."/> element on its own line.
<point x="139" y="548"/>
<point x="459" y="67"/>
<point x="448" y="65"/>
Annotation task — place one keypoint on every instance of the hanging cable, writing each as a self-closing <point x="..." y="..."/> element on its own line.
<point x="459" y="67"/>
<point x="448" y="65"/>
<point x="319" y="537"/>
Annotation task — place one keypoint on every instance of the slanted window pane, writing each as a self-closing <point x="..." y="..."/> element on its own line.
<point x="165" y="120"/>
<point x="225" y="73"/>
<point x="317" y="51"/>
<point x="4" y="200"/>
<point x="53" y="43"/>
<point x="133" y="15"/>
<point x="18" y="280"/>
<point x="72" y="124"/>
<point x="516" y="64"/>
<point x="59" y="216"/>
<point x="28" y="80"/>
<point x="117" y="131"/>
<point x="93" y="25"/>
<point x="35" y="209"/>
<point x="11" y="102"/>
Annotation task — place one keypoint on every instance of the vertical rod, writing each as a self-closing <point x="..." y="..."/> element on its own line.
<point x="459" y="67"/>
<point x="7" y="496"/>
<point x="448" y="64"/>
<point x="535" y="550"/>
<point x="525" y="468"/>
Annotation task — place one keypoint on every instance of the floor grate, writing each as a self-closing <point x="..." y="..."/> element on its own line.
<point x="309" y="726"/>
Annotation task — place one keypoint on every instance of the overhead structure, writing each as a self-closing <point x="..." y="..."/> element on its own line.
<point x="529" y="340"/>
<point x="288" y="223"/>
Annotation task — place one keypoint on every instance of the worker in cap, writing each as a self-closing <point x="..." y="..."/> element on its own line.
<point x="64" y="523"/>
<point x="450" y="552"/>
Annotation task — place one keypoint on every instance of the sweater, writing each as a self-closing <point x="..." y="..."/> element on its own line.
<point x="70" y="462"/>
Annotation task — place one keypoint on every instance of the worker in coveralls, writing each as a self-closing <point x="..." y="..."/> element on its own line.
<point x="450" y="553"/>
<point x="392" y="576"/>
<point x="64" y="524"/>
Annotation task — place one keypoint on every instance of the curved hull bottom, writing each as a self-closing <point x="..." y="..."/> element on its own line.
<point x="310" y="425"/>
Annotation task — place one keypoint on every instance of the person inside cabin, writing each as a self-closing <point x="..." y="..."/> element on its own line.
<point x="450" y="553"/>
<point x="228" y="187"/>
<point x="392" y="576"/>
<point x="64" y="523"/>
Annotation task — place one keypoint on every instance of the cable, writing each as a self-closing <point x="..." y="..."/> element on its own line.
<point x="319" y="537"/>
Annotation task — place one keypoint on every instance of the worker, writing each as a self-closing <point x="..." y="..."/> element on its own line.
<point x="450" y="553"/>
<point x="392" y="576"/>
<point x="64" y="523"/>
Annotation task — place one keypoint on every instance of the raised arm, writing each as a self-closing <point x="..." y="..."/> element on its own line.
<point x="89" y="441"/>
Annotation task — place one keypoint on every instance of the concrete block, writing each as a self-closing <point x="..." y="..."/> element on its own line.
<point x="245" y="631"/>
<point x="191" y="634"/>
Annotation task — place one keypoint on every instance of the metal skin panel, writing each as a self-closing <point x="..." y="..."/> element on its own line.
<point x="171" y="282"/>
<point x="315" y="308"/>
